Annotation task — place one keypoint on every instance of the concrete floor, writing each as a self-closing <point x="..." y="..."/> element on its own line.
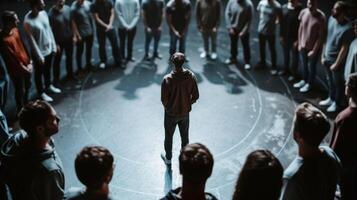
<point x="238" y="111"/>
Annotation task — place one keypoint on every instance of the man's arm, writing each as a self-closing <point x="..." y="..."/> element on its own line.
<point x="187" y="21"/>
<point x="169" y="23"/>
<point x="136" y="15"/>
<point x="119" y="13"/>
<point x="195" y="93"/>
<point x="228" y="14"/>
<point x="246" y="27"/>
<point x="198" y="16"/>
<point x="218" y="14"/>
<point x="340" y="58"/>
<point x="111" y="20"/>
<point x="164" y="93"/>
<point x="321" y="38"/>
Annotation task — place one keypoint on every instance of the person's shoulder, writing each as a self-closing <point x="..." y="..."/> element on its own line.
<point x="321" y="14"/>
<point x="73" y="193"/>
<point x="277" y="4"/>
<point x="330" y="153"/>
<point x="343" y="115"/>
<point x="292" y="170"/>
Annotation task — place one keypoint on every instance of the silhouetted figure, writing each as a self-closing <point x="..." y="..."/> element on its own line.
<point x="178" y="92"/>
<point x="94" y="167"/>
<point x="30" y="166"/>
<point x="316" y="170"/>
<point x="351" y="61"/>
<point x="196" y="164"/>
<point x="260" y="178"/>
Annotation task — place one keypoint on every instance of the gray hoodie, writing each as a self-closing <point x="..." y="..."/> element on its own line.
<point x="29" y="174"/>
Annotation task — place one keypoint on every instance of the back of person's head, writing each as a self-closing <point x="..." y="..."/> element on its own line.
<point x="196" y="163"/>
<point x="339" y="8"/>
<point x="351" y="89"/>
<point x="94" y="166"/>
<point x="8" y="18"/>
<point x="35" y="115"/>
<point x="178" y="59"/>
<point x="310" y="124"/>
<point x="260" y="178"/>
<point x="36" y="4"/>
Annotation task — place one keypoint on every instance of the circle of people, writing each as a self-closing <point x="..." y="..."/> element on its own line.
<point x="304" y="36"/>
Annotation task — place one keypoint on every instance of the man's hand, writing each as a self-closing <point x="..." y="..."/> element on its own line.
<point x="199" y="29"/>
<point x="214" y="29"/>
<point x="311" y="54"/>
<point x="149" y="30"/>
<point x="323" y="60"/>
<point x="74" y="39"/>
<point x="58" y="51"/>
<point x="296" y="45"/>
<point x="29" y="68"/>
<point x="108" y="27"/>
<point x="282" y="40"/>
<point x="333" y="67"/>
<point x="231" y="31"/>
<point x="177" y="33"/>
<point x="241" y="34"/>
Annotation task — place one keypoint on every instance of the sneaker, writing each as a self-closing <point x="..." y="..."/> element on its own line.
<point x="102" y="65"/>
<point x="291" y="78"/>
<point x="247" y="66"/>
<point x="203" y="54"/>
<point x="166" y="161"/>
<point x="230" y="61"/>
<point x="282" y="72"/>
<point x="274" y="72"/>
<point x="332" y="107"/>
<point x="158" y="56"/>
<point x="326" y="102"/>
<point x="214" y="56"/>
<point x="131" y="59"/>
<point x="299" y="84"/>
<point x="45" y="97"/>
<point x="305" y="88"/>
<point x="53" y="89"/>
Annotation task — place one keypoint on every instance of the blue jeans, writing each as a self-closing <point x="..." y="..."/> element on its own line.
<point x="156" y="34"/>
<point x="271" y="42"/>
<point x="173" y="43"/>
<point x="309" y="66"/>
<point x="111" y="35"/>
<point x="170" y="124"/>
<point x="290" y="53"/>
<point x="335" y="82"/>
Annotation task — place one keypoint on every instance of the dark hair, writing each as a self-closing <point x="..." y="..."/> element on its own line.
<point x="352" y="86"/>
<point x="8" y="17"/>
<point x="260" y="177"/>
<point x="311" y="124"/>
<point x="178" y="59"/>
<point x="33" y="2"/>
<point x="93" y="165"/>
<point x="342" y="7"/>
<point x="196" y="163"/>
<point x="34" y="114"/>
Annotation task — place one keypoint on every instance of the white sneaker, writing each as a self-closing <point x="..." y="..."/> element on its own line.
<point x="166" y="161"/>
<point x="247" y="66"/>
<point x="274" y="72"/>
<point x="299" y="84"/>
<point x="326" y="102"/>
<point x="203" y="54"/>
<point x="53" y="89"/>
<point x="291" y="78"/>
<point x="305" y="88"/>
<point x="45" y="97"/>
<point x="332" y="107"/>
<point x="102" y="65"/>
<point x="214" y="56"/>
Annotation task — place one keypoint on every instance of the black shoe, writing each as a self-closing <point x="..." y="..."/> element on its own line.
<point x="158" y="56"/>
<point x="166" y="161"/>
<point x="261" y="65"/>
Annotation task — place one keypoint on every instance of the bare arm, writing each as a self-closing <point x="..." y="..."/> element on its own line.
<point x="111" y="20"/>
<point x="137" y="15"/>
<point x="341" y="56"/>
<point x="187" y="19"/>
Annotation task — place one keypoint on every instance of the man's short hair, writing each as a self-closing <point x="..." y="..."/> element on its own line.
<point x="311" y="124"/>
<point x="34" y="114"/>
<point x="196" y="163"/>
<point x="352" y="85"/>
<point x="8" y="17"/>
<point x="342" y="7"/>
<point x="33" y="2"/>
<point x="178" y="59"/>
<point x="93" y="165"/>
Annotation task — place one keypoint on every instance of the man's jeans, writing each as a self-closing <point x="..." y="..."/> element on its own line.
<point x="271" y="42"/>
<point x="173" y="43"/>
<point x="290" y="53"/>
<point x="170" y="123"/>
<point x="335" y="82"/>
<point x="111" y="35"/>
<point x="245" y="43"/>
<point x="207" y="35"/>
<point x="80" y="47"/>
<point x="67" y="47"/>
<point x="22" y="86"/>
<point x="156" y="34"/>
<point x="309" y="66"/>
<point x="123" y="35"/>
<point x="43" y="71"/>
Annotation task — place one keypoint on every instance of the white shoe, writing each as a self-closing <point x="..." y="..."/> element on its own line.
<point x="299" y="84"/>
<point x="326" y="102"/>
<point x="274" y="72"/>
<point x="166" y="161"/>
<point x="214" y="56"/>
<point x="203" y="54"/>
<point x="102" y="65"/>
<point x="247" y="66"/>
<point x="45" y="97"/>
<point x="305" y="88"/>
<point x="332" y="107"/>
<point x="291" y="78"/>
<point x="53" y="89"/>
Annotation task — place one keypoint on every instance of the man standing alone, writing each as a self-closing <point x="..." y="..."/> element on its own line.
<point x="178" y="92"/>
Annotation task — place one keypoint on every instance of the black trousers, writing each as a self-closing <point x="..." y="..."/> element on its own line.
<point x="245" y="43"/>
<point x="271" y="42"/>
<point x="67" y="47"/>
<point x="43" y="71"/>
<point x="129" y="36"/>
<point x="88" y="41"/>
<point x="22" y="86"/>
<point x="111" y="35"/>
<point x="290" y="54"/>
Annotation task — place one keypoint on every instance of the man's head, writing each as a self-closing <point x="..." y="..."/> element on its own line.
<point x="60" y="4"/>
<point x="94" y="166"/>
<point x="80" y="2"/>
<point x="39" y="119"/>
<point x="340" y="9"/>
<point x="37" y="4"/>
<point x="178" y="59"/>
<point x="351" y="87"/>
<point x="10" y="19"/>
<point x="240" y="1"/>
<point x="310" y="125"/>
<point x="260" y="178"/>
<point x="312" y="5"/>
<point x="196" y="163"/>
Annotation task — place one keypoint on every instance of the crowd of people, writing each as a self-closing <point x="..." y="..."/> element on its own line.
<point x="305" y="35"/>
